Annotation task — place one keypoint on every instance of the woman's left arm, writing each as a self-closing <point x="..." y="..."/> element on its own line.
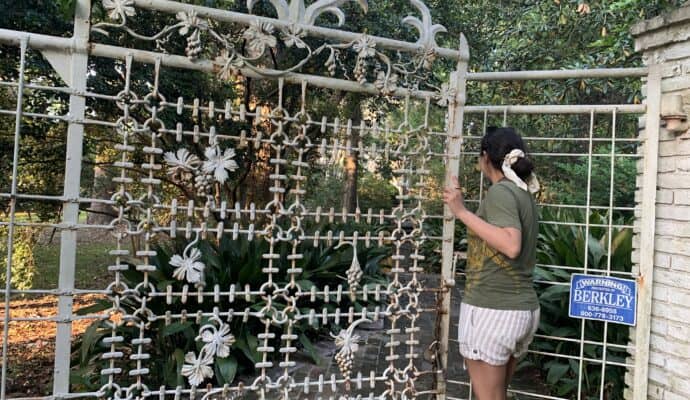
<point x="506" y="240"/>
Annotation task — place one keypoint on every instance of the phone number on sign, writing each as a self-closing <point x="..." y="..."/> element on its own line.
<point x="608" y="310"/>
<point x="602" y="315"/>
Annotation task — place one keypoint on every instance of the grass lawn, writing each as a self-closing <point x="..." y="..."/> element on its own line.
<point x="92" y="263"/>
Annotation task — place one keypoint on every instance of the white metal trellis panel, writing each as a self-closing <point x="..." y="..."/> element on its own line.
<point x="619" y="139"/>
<point x="402" y="312"/>
<point x="71" y="54"/>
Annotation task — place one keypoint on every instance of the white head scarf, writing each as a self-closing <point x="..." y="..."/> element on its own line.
<point x="532" y="184"/>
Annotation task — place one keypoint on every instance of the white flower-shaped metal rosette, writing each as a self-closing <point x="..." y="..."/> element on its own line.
<point x="259" y="36"/>
<point x="190" y="21"/>
<point x="219" y="163"/>
<point x="119" y="9"/>
<point x="346" y="341"/>
<point x="197" y="369"/>
<point x="365" y="46"/>
<point x="218" y="339"/>
<point x="181" y="161"/>
<point x="385" y="83"/>
<point x="292" y="37"/>
<point x="188" y="265"/>
<point x="186" y="168"/>
<point x="446" y="95"/>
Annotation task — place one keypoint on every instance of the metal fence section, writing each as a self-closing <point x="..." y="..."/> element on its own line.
<point x="601" y="136"/>
<point x="173" y="155"/>
<point x="162" y="143"/>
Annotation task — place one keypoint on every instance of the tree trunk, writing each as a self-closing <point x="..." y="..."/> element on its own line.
<point x="102" y="189"/>
<point x="350" y="186"/>
<point x="354" y="111"/>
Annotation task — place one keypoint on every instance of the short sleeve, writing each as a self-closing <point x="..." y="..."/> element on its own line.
<point x="501" y="208"/>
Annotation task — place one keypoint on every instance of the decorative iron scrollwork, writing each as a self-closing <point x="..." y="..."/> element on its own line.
<point x="297" y="13"/>
<point x="372" y="65"/>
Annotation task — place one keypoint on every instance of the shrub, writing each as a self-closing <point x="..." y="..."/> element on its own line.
<point x="564" y="245"/>
<point x="23" y="263"/>
<point x="229" y="262"/>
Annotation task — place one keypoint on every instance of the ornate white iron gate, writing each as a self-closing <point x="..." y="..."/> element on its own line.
<point x="164" y="143"/>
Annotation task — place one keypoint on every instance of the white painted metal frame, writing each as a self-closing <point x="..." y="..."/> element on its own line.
<point x="80" y="48"/>
<point x="639" y="346"/>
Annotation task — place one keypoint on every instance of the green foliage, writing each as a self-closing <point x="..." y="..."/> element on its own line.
<point x="573" y="178"/>
<point x="23" y="263"/>
<point x="564" y="245"/>
<point x="230" y="262"/>
<point x="373" y="190"/>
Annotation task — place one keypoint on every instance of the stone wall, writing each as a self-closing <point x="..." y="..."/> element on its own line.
<point x="665" y="40"/>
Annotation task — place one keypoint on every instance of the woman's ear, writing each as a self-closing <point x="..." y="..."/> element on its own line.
<point x="481" y="161"/>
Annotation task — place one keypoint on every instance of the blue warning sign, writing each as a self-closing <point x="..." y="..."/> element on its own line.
<point x="603" y="298"/>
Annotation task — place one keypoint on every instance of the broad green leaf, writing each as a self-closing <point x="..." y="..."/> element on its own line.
<point x="100" y="305"/>
<point x="227" y="369"/>
<point x="556" y="372"/>
<point x="174" y="328"/>
<point x="90" y="337"/>
<point x="311" y="350"/>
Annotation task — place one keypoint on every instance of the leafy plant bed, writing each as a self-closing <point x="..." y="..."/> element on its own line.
<point x="194" y="350"/>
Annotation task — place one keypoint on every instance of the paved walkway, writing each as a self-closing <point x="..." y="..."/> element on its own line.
<point x="372" y="357"/>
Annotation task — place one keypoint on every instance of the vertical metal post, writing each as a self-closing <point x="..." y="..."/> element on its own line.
<point x="68" y="238"/>
<point x="588" y="211"/>
<point x="647" y="232"/>
<point x="13" y="209"/>
<point x="456" y="114"/>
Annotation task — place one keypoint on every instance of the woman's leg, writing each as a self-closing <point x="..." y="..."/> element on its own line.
<point x="488" y="381"/>
<point x="510" y="371"/>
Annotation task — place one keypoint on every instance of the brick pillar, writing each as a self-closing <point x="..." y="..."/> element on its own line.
<point x="665" y="40"/>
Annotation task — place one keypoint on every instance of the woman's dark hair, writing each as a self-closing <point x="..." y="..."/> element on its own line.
<point x="497" y="142"/>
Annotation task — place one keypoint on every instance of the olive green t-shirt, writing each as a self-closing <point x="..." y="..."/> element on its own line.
<point x="494" y="280"/>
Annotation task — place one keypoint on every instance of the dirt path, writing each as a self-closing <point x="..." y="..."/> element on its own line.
<point x="32" y="344"/>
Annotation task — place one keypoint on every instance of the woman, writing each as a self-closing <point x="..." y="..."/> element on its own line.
<point x="499" y="314"/>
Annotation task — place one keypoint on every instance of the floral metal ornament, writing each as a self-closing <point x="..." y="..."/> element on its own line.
<point x="297" y="13"/>
<point x="187" y="169"/>
<point x="218" y="163"/>
<point x="259" y="36"/>
<point x="119" y="9"/>
<point x="365" y="47"/>
<point x="218" y="339"/>
<point x="386" y="84"/>
<point x="446" y="95"/>
<point x="181" y="164"/>
<point x="188" y="265"/>
<point x="292" y="37"/>
<point x="385" y="71"/>
<point x="197" y="369"/>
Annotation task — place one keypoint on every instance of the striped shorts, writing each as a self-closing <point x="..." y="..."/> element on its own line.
<point x="493" y="336"/>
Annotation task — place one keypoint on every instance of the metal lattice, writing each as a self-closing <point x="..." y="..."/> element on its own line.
<point x="162" y="143"/>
